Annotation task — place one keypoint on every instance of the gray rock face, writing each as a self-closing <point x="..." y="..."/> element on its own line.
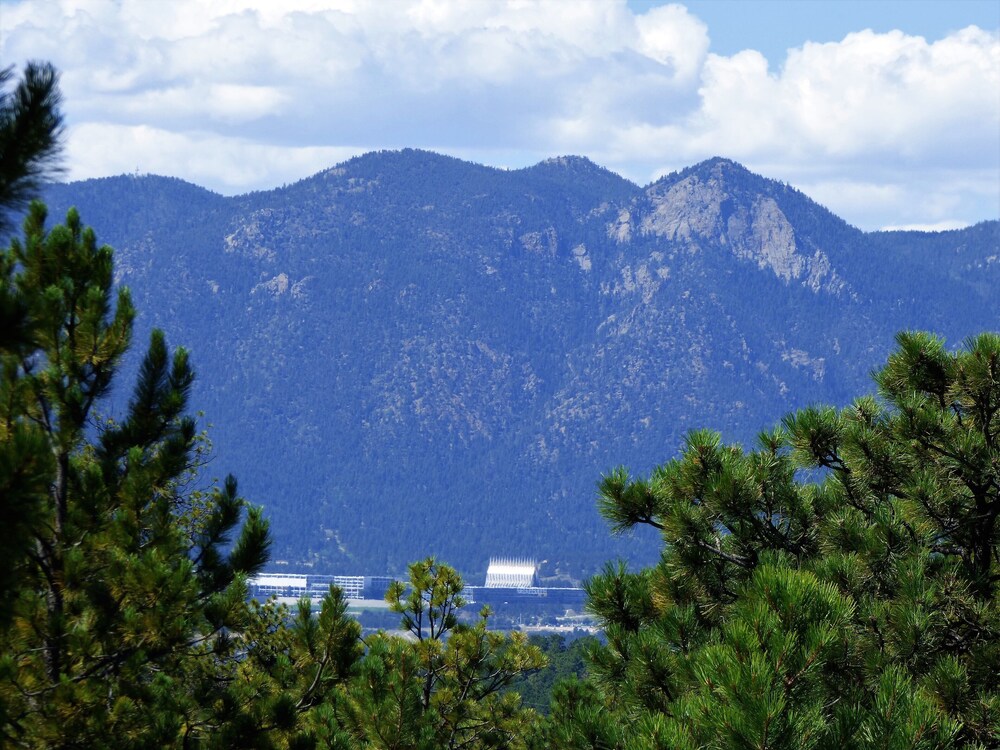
<point x="700" y="209"/>
<point x="688" y="210"/>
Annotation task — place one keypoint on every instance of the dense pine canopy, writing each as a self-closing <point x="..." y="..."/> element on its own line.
<point x="835" y="587"/>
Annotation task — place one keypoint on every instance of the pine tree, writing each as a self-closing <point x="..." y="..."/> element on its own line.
<point x="836" y="587"/>
<point x="31" y="127"/>
<point x="122" y="588"/>
<point x="443" y="687"/>
<point x="294" y="667"/>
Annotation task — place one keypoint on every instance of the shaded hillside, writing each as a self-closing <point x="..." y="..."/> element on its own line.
<point x="408" y="354"/>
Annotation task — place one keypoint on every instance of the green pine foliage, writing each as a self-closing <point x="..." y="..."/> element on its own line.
<point x="565" y="660"/>
<point x="443" y="684"/>
<point x="110" y="600"/>
<point x="124" y="619"/>
<point x="835" y="587"/>
<point x="31" y="127"/>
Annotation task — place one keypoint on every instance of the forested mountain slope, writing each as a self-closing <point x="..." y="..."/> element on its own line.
<point x="409" y="355"/>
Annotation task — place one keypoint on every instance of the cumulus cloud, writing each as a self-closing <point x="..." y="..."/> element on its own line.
<point x="673" y="37"/>
<point x="246" y="94"/>
<point x="222" y="162"/>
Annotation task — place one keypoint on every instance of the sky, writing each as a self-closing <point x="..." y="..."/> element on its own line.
<point x="886" y="112"/>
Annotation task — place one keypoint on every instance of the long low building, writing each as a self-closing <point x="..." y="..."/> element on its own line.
<point x="509" y="582"/>
<point x="297" y="586"/>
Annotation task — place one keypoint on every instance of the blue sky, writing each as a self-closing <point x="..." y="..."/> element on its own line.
<point x="886" y="112"/>
<point x="774" y="26"/>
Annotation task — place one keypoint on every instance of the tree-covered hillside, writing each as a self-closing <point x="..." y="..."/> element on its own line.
<point x="407" y="337"/>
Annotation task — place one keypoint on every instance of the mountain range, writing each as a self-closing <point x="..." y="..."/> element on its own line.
<point x="409" y="355"/>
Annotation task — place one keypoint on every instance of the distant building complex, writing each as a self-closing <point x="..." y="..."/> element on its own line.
<point x="297" y="586"/>
<point x="509" y="582"/>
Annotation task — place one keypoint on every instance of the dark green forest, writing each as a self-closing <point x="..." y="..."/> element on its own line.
<point x="833" y="586"/>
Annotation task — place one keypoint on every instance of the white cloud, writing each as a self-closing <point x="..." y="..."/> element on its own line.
<point x="223" y="102"/>
<point x="673" y="37"/>
<point x="224" y="163"/>
<point x="930" y="195"/>
<point x="941" y="226"/>
<point x="249" y="86"/>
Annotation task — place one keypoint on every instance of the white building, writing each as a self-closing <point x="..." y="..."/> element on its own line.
<point x="290" y="585"/>
<point x="511" y="573"/>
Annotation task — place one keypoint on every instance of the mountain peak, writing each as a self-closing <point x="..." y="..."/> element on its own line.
<point x="716" y="168"/>
<point x="575" y="165"/>
<point x="570" y="161"/>
<point x="580" y="176"/>
<point x="719" y="163"/>
<point x="407" y="158"/>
